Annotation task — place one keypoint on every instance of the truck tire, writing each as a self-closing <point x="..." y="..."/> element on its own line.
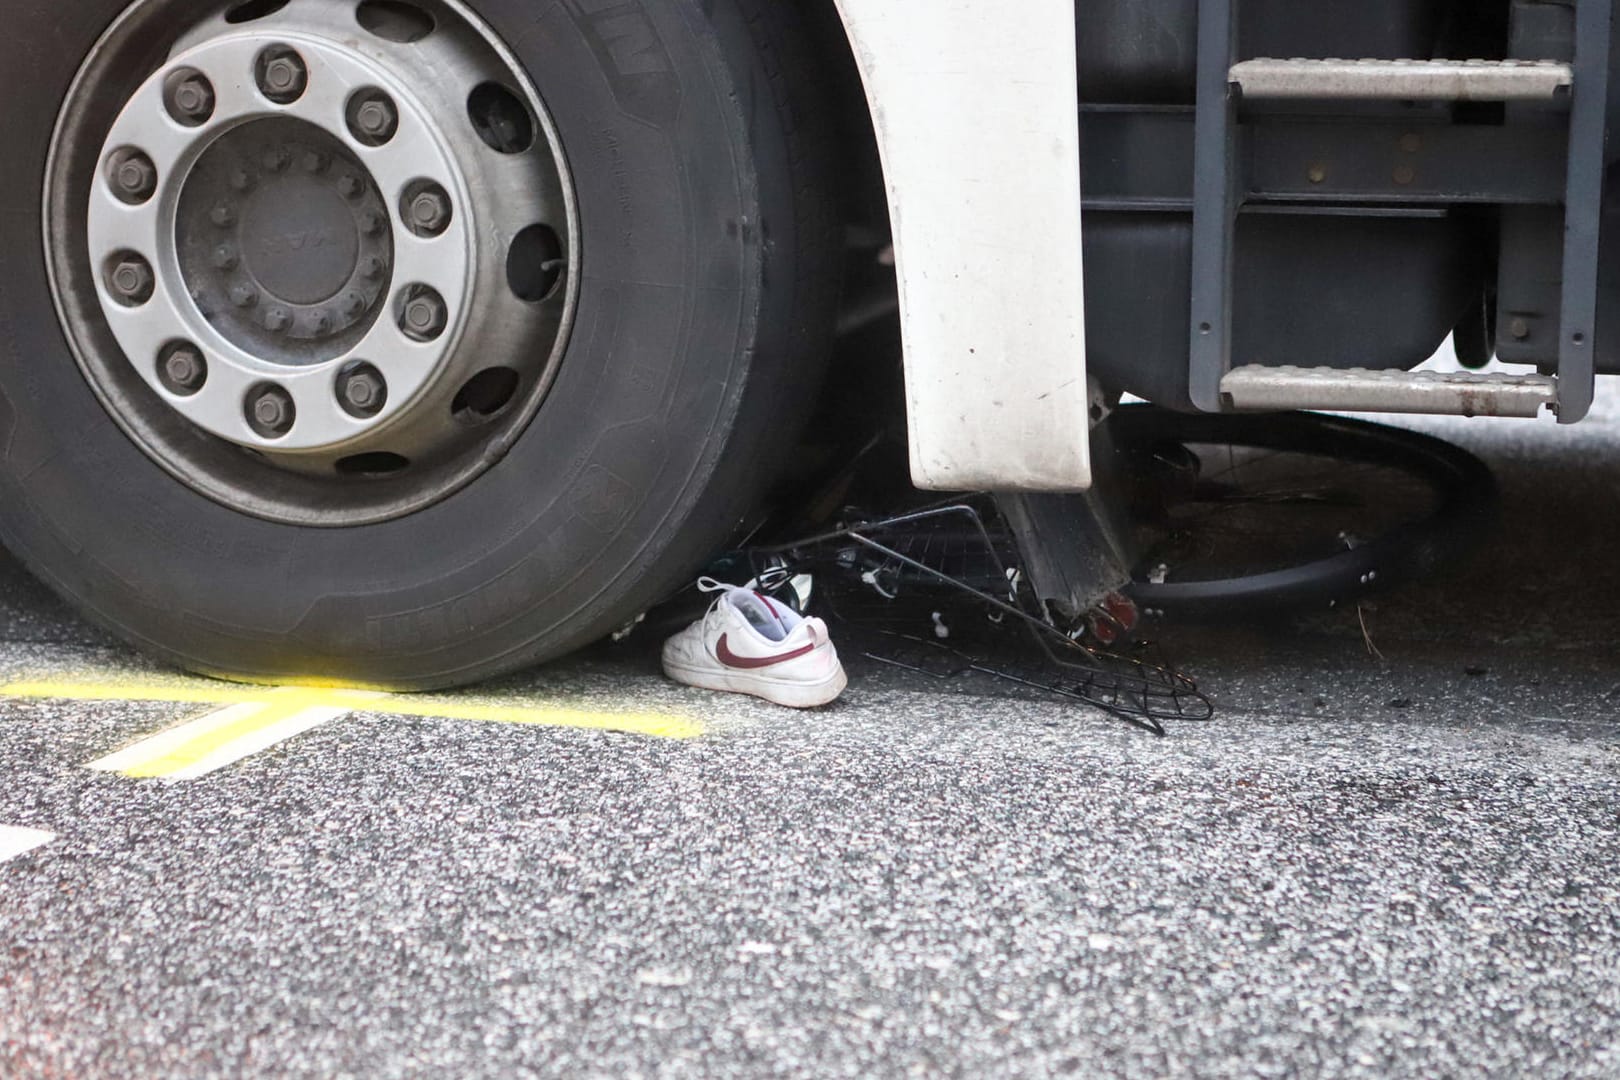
<point x="272" y="408"/>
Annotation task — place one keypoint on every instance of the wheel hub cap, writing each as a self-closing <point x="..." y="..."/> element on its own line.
<point x="287" y="260"/>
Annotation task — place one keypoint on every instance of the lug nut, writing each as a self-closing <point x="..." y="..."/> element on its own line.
<point x="374" y="267"/>
<point x="184" y="369"/>
<point x="313" y="161"/>
<point x="424" y="316"/>
<point x="191" y="100"/>
<point x="282" y="76"/>
<point x="363" y="392"/>
<point x="353" y="304"/>
<point x="241" y="180"/>
<point x="226" y="258"/>
<point x="373" y="118"/>
<point x="131" y="280"/>
<point x="134" y="177"/>
<point x="277" y="320"/>
<point x="372" y="223"/>
<point x="349" y="185"/>
<point x="244" y="295"/>
<point x="428" y="213"/>
<point x="270" y="411"/>
<point x="274" y="159"/>
<point x="321" y="323"/>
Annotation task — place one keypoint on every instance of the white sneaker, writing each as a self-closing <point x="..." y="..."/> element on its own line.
<point x="748" y="644"/>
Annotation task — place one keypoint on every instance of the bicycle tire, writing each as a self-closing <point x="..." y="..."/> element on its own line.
<point x="1463" y="487"/>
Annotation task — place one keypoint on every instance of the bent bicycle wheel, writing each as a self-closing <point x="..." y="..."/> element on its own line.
<point x="1238" y="515"/>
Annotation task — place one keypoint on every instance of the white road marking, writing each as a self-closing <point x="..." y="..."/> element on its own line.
<point x="15" y="841"/>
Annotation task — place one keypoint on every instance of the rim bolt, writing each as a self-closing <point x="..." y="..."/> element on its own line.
<point x="191" y="101"/>
<point x="135" y="178"/>
<point x="373" y="267"/>
<point x="223" y="215"/>
<point x="429" y="212"/>
<point x="321" y="323"/>
<point x="372" y="223"/>
<point x="184" y="369"/>
<point x="244" y="295"/>
<point x="313" y="161"/>
<point x="424" y="316"/>
<point x="373" y="118"/>
<point x="277" y="320"/>
<point x="274" y="159"/>
<point x="241" y="180"/>
<point x="282" y="76"/>
<point x="270" y="411"/>
<point x="363" y="392"/>
<point x="131" y="280"/>
<point x="225" y="257"/>
<point x="353" y="304"/>
<point x="348" y="185"/>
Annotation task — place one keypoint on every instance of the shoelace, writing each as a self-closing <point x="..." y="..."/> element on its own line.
<point x="712" y="585"/>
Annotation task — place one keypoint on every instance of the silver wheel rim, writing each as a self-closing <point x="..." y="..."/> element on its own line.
<point x="320" y="260"/>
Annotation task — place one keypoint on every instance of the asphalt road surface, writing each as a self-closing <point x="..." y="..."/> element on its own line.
<point x="1395" y="864"/>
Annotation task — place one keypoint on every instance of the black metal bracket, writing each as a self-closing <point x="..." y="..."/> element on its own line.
<point x="1583" y="209"/>
<point x="1215" y="204"/>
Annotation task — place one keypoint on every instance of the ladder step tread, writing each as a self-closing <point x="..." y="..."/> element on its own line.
<point x="1360" y="390"/>
<point x="1403" y="80"/>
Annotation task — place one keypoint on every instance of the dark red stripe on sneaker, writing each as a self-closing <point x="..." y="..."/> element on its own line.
<point x="746" y="663"/>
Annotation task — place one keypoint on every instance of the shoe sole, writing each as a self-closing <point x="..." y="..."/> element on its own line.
<point x="793" y="695"/>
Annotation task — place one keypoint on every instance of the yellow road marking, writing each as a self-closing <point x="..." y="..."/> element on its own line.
<point x="253" y="719"/>
<point x="224" y="737"/>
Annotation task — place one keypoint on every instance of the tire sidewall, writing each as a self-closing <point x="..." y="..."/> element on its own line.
<point x="543" y="550"/>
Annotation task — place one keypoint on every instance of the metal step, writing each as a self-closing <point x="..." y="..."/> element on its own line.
<point x="1403" y="80"/>
<point x="1359" y="390"/>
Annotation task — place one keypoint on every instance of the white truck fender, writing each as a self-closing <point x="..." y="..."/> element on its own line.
<point x="976" y="108"/>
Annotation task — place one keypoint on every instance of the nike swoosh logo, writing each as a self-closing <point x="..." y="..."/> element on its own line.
<point x="755" y="663"/>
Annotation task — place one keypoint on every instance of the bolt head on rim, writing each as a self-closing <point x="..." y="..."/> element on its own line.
<point x="131" y="279"/>
<point x="190" y="98"/>
<point x="423" y="315"/>
<point x="363" y="391"/>
<point x="133" y="176"/>
<point x="270" y="411"/>
<point x="373" y="117"/>
<point x="426" y="209"/>
<point x="184" y="369"/>
<point x="282" y="75"/>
